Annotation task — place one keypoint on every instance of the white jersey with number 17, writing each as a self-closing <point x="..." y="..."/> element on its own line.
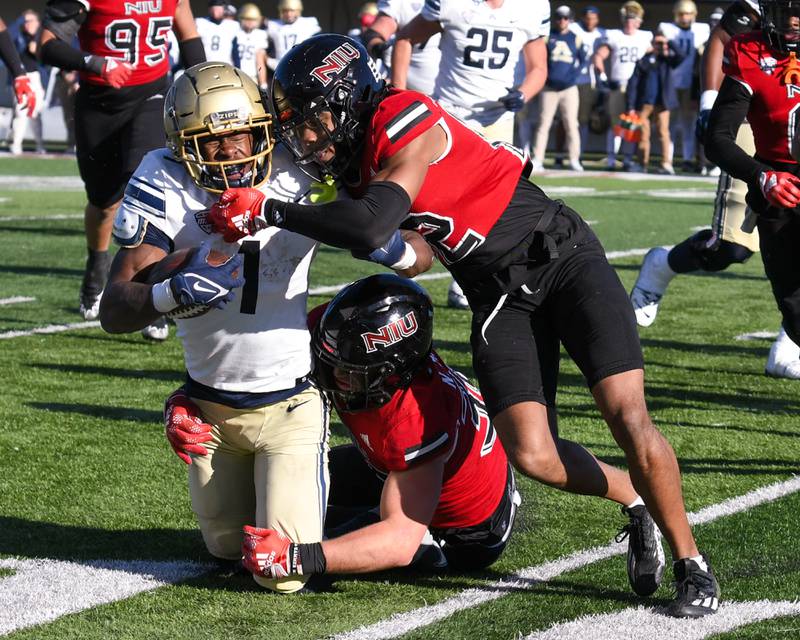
<point x="480" y="49"/>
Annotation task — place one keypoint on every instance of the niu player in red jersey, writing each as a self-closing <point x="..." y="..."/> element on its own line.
<point x="123" y="65"/>
<point x="425" y="450"/>
<point x="22" y="84"/>
<point x="534" y="273"/>
<point x="762" y="84"/>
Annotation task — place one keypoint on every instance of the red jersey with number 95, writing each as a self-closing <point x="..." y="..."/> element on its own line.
<point x="774" y="84"/>
<point x="465" y="191"/>
<point x="132" y="31"/>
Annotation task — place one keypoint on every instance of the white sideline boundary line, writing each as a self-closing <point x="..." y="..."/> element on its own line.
<point x="15" y="300"/>
<point x="315" y="291"/>
<point x="527" y="578"/>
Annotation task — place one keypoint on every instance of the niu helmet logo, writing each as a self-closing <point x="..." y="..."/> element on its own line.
<point x="334" y="62"/>
<point x="391" y="333"/>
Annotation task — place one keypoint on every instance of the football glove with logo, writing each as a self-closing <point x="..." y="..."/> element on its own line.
<point x="202" y="283"/>
<point x="514" y="100"/>
<point x="116" y="72"/>
<point x="781" y="189"/>
<point x="25" y="94"/>
<point x="185" y="430"/>
<point x="241" y="212"/>
<point x="270" y="554"/>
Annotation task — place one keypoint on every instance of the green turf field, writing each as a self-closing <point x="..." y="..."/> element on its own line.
<point x="97" y="539"/>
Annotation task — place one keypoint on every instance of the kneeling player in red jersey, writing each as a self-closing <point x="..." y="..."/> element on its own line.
<point x="429" y="455"/>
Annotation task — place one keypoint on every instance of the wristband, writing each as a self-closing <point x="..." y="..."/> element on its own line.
<point x="309" y="558"/>
<point x="707" y="99"/>
<point x="408" y="260"/>
<point x="163" y="298"/>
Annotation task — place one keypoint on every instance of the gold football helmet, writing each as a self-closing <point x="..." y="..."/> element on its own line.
<point x="216" y="99"/>
<point x="250" y="11"/>
<point x="290" y="5"/>
<point x="632" y="9"/>
<point x="684" y="8"/>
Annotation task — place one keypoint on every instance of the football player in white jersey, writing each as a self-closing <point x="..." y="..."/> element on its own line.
<point x="423" y="66"/>
<point x="217" y="33"/>
<point x="689" y="37"/>
<point x="259" y="455"/>
<point x="622" y="48"/>
<point x="290" y="29"/>
<point x="250" y="46"/>
<point x="481" y="44"/>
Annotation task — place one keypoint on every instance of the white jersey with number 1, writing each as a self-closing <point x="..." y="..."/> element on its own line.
<point x="259" y="342"/>
<point x="480" y="49"/>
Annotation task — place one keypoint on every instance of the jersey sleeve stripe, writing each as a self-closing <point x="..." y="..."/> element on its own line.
<point x="743" y="83"/>
<point x="406" y="120"/>
<point x="412" y="453"/>
<point x="433" y="4"/>
<point x="145" y="199"/>
<point x="146" y="186"/>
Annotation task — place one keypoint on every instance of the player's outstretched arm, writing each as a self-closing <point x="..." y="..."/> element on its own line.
<point x="408" y="502"/>
<point x="359" y="224"/>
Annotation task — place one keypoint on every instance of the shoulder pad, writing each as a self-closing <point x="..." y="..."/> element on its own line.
<point x="129" y="228"/>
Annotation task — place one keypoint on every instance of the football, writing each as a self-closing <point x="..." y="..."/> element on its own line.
<point x="171" y="265"/>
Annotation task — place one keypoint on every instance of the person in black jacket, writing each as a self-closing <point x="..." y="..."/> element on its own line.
<point x="651" y="93"/>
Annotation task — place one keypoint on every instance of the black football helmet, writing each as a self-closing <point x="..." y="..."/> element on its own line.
<point x="371" y="340"/>
<point x="324" y="93"/>
<point x="780" y="21"/>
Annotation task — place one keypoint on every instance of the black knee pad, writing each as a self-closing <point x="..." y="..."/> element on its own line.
<point x="726" y="254"/>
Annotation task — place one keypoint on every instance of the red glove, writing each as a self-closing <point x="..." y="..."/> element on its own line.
<point x="238" y="213"/>
<point x="25" y="94"/>
<point x="185" y="430"/>
<point x="116" y="72"/>
<point x="780" y="188"/>
<point x="269" y="553"/>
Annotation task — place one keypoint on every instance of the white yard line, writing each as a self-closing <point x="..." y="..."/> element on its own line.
<point x="40" y="183"/>
<point x="43" y="589"/>
<point x="51" y="328"/>
<point x="15" y="300"/>
<point x="530" y="577"/>
<point x="634" y="624"/>
<point x="54" y="216"/>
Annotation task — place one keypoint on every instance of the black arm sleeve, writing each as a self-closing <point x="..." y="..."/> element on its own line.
<point x="366" y="223"/>
<point x="58" y="53"/>
<point x="9" y="54"/>
<point x="726" y="117"/>
<point x="192" y="52"/>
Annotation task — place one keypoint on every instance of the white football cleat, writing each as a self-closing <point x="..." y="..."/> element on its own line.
<point x="456" y="297"/>
<point x="784" y="358"/>
<point x="653" y="280"/>
<point x="158" y="331"/>
<point x="89" y="305"/>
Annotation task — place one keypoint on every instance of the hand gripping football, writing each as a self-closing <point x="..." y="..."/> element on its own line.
<point x="171" y="265"/>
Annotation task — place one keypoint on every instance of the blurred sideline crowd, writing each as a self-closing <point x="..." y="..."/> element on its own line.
<point x="610" y="80"/>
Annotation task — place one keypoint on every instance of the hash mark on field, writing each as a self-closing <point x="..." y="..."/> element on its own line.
<point x="757" y="335"/>
<point x="629" y="623"/>
<point x="401" y="623"/>
<point x="15" y="300"/>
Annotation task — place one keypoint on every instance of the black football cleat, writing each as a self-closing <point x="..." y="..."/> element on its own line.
<point x="645" y="555"/>
<point x="696" y="591"/>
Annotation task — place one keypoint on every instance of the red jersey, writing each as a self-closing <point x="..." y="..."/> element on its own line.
<point x="134" y="31"/>
<point x="439" y="414"/>
<point x="465" y="191"/>
<point x="775" y="95"/>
